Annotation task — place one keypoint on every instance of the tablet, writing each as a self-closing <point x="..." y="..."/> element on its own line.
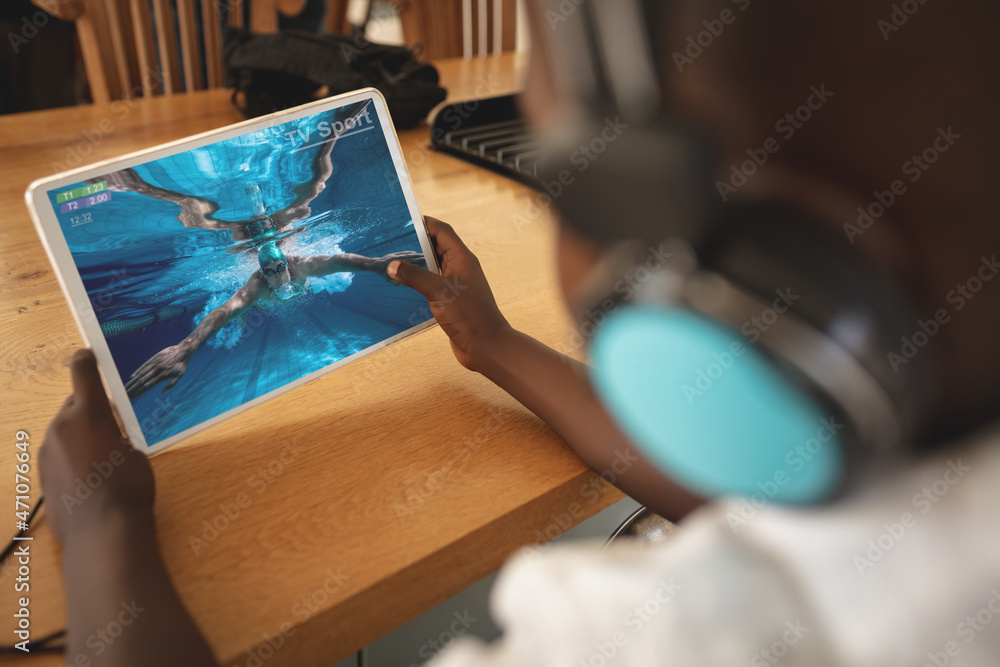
<point x="215" y="272"/>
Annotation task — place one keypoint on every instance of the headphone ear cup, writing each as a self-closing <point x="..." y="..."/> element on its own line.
<point x="770" y="248"/>
<point x="712" y="411"/>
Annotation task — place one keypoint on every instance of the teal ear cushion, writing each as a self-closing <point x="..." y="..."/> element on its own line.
<point x="711" y="410"/>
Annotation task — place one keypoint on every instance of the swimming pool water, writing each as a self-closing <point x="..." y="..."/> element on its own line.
<point x="151" y="280"/>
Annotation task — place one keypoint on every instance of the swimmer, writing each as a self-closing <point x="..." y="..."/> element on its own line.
<point x="199" y="212"/>
<point x="280" y="278"/>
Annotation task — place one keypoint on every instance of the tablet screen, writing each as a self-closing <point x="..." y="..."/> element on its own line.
<point x="223" y="273"/>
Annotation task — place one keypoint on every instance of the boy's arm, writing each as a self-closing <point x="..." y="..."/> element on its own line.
<point x="114" y="574"/>
<point x="548" y="383"/>
<point x="557" y="389"/>
<point x="112" y="567"/>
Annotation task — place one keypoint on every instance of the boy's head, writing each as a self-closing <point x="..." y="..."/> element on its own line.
<point x="905" y="102"/>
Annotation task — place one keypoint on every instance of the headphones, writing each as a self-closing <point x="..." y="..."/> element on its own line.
<point x="741" y="346"/>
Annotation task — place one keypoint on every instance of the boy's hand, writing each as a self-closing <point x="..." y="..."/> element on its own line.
<point x="88" y="471"/>
<point x="380" y="265"/>
<point x="460" y="298"/>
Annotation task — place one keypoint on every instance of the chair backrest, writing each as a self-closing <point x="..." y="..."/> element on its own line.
<point x="139" y="48"/>
<point x="451" y="28"/>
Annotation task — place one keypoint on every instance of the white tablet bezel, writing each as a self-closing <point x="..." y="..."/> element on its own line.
<point x="50" y="232"/>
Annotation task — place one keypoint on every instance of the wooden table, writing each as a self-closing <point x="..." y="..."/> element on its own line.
<point x="391" y="484"/>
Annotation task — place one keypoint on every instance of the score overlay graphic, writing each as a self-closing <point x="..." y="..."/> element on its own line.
<point x="83" y="196"/>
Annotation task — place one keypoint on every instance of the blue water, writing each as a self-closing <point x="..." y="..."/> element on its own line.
<point x="144" y="270"/>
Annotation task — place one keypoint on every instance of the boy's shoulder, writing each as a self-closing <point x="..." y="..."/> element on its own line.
<point x="900" y="564"/>
<point x="886" y="577"/>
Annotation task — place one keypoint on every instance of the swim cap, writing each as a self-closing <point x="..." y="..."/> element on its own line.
<point x="269" y="254"/>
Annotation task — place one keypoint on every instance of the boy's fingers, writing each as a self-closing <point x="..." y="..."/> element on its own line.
<point x="415" y="277"/>
<point x="443" y="234"/>
<point x="433" y="225"/>
<point x="87" y="387"/>
<point x="67" y="404"/>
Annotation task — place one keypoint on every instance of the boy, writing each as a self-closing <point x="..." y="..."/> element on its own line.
<point x="902" y="572"/>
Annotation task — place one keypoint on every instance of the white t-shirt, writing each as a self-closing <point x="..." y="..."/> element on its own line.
<point x="907" y="573"/>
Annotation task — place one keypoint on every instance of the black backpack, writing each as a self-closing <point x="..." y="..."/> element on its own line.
<point x="285" y="69"/>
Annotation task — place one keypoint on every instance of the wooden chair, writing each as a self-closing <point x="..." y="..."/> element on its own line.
<point x="123" y="59"/>
<point x="468" y="28"/>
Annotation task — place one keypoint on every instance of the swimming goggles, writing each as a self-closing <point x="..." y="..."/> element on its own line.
<point x="271" y="272"/>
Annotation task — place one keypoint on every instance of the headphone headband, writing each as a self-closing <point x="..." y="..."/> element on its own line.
<point x="636" y="174"/>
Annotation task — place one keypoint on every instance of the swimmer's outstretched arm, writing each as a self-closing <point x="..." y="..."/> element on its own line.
<point x="322" y="265"/>
<point x="170" y="363"/>
<point x="195" y="211"/>
<point x="322" y="169"/>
